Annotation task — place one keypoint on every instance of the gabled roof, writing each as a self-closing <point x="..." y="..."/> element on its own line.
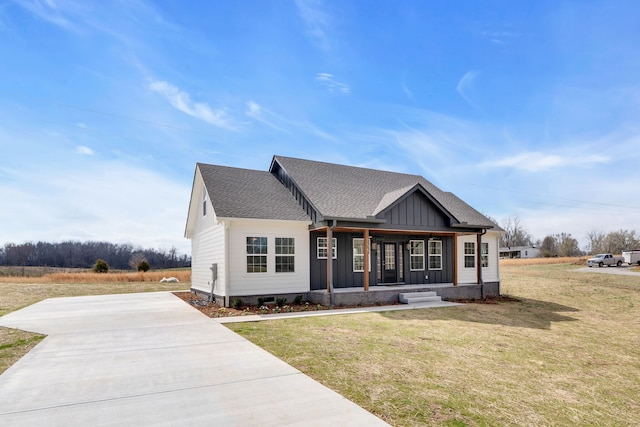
<point x="359" y="193"/>
<point x="244" y="193"/>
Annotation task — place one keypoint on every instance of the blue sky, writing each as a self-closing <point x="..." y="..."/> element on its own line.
<point x="521" y="108"/>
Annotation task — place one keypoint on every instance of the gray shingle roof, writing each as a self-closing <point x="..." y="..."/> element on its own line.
<point x="354" y="192"/>
<point x="244" y="193"/>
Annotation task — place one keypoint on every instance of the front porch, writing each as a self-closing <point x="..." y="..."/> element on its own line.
<point x="388" y="294"/>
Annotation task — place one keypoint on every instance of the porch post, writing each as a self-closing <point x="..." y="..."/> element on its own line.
<point x="329" y="261"/>
<point x="479" y="258"/>
<point x="366" y="259"/>
<point x="455" y="260"/>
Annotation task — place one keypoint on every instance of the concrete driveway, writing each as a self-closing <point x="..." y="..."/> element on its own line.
<point x="150" y="359"/>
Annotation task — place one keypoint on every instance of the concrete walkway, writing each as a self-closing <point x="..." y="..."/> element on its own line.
<point x="152" y="360"/>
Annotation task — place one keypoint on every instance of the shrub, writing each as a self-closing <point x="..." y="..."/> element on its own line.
<point x="101" y="266"/>
<point x="281" y="301"/>
<point x="236" y="303"/>
<point x="143" y="266"/>
<point x="261" y="302"/>
<point x="297" y="300"/>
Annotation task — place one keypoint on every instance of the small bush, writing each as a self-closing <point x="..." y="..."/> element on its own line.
<point x="261" y="302"/>
<point x="297" y="300"/>
<point x="236" y="303"/>
<point x="101" y="266"/>
<point x="281" y="301"/>
<point x="143" y="266"/>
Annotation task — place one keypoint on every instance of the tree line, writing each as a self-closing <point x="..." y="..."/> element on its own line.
<point x="74" y="254"/>
<point x="563" y="244"/>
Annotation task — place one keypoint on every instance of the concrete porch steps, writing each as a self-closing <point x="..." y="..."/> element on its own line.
<point x="415" y="297"/>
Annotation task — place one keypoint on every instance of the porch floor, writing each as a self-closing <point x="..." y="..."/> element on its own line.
<point x="388" y="294"/>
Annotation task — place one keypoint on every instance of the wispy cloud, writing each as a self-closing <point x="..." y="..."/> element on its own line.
<point x="501" y="37"/>
<point x="181" y="101"/>
<point x="263" y="115"/>
<point x="84" y="150"/>
<point x="536" y="161"/>
<point x="332" y="85"/>
<point x="316" y="20"/>
<point x="465" y="86"/>
<point x="49" y="11"/>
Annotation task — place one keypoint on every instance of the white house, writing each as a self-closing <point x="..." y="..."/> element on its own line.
<point x="265" y="234"/>
<point x="519" y="252"/>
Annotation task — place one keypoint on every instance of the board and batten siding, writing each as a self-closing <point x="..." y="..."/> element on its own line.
<point x="490" y="273"/>
<point x="241" y="283"/>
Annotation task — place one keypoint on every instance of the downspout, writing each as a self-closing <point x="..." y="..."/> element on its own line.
<point x="480" y="279"/>
<point x="330" y="262"/>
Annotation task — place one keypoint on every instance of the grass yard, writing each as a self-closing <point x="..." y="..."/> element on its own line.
<point x="567" y="354"/>
<point x="21" y="292"/>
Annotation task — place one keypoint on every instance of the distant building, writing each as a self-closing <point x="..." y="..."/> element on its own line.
<point x="519" y="252"/>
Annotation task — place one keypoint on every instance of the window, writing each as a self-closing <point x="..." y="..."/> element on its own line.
<point x="484" y="255"/>
<point x="204" y="202"/>
<point x="416" y="254"/>
<point x="285" y="250"/>
<point x="321" y="248"/>
<point x="469" y="254"/>
<point x="256" y="254"/>
<point x="435" y="255"/>
<point x="358" y="254"/>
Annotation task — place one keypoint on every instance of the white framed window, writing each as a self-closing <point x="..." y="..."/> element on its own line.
<point x="469" y="254"/>
<point x="484" y="254"/>
<point x="285" y="254"/>
<point x="204" y="202"/>
<point x="358" y="254"/>
<point x="257" y="254"/>
<point x="435" y="254"/>
<point x="321" y="248"/>
<point x="416" y="255"/>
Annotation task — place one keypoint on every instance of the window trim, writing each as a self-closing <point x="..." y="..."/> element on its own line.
<point x="413" y="255"/>
<point x="204" y="202"/>
<point x="470" y="255"/>
<point x="334" y="248"/>
<point x="261" y="255"/>
<point x="353" y="254"/>
<point x="291" y="256"/>
<point x="435" y="255"/>
<point x="484" y="255"/>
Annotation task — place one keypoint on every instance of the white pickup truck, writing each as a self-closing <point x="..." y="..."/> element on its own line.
<point x="605" y="259"/>
<point x="631" y="257"/>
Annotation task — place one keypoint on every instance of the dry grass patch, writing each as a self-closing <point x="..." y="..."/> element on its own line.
<point x="90" y="277"/>
<point x="567" y="354"/>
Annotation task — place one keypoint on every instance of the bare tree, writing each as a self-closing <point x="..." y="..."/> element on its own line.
<point x="618" y="241"/>
<point x="596" y="242"/>
<point x="514" y="233"/>
<point x="549" y="246"/>
<point x="567" y="245"/>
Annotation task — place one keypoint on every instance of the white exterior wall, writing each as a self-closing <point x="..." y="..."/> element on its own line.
<point x="242" y="283"/>
<point x="207" y="241"/>
<point x="208" y="247"/>
<point x="490" y="273"/>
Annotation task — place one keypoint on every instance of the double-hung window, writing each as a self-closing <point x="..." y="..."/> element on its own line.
<point x="358" y="255"/>
<point x="469" y="254"/>
<point x="416" y="254"/>
<point x="321" y="248"/>
<point x="257" y="254"/>
<point x="435" y="254"/>
<point x="285" y="254"/>
<point x="484" y="255"/>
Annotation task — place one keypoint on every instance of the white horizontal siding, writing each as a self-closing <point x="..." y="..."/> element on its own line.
<point x="208" y="247"/>
<point x="490" y="273"/>
<point x="243" y="283"/>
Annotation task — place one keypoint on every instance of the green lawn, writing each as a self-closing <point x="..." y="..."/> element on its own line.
<point x="567" y="354"/>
